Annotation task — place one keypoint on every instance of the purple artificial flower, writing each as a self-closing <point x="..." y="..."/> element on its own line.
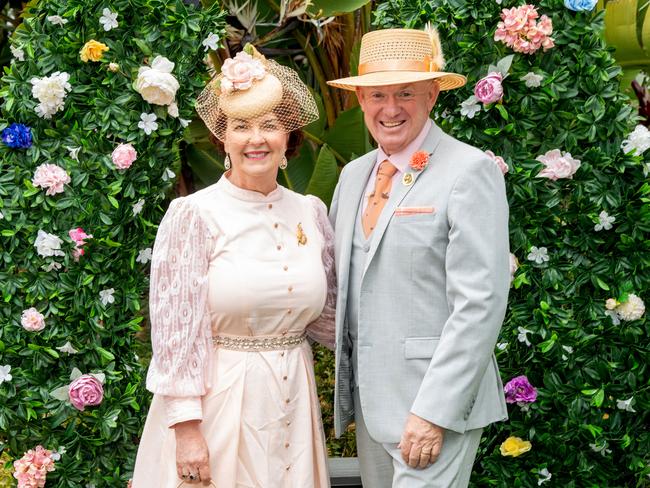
<point x="519" y="390"/>
<point x="17" y="136"/>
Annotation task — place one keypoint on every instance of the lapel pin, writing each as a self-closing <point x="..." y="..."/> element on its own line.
<point x="300" y="234"/>
<point x="407" y="179"/>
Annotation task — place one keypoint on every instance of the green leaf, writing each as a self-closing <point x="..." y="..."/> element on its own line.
<point x="144" y="47"/>
<point x="598" y="398"/>
<point x="323" y="179"/>
<point x="329" y="8"/>
<point x="348" y="136"/>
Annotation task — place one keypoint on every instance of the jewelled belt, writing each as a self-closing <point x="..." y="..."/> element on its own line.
<point x="252" y="343"/>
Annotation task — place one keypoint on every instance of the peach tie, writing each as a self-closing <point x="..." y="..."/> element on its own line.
<point x="378" y="198"/>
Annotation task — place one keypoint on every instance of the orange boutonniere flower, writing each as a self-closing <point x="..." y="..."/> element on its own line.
<point x="419" y="160"/>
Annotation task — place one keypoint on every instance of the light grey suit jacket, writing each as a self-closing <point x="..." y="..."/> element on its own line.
<point x="433" y="294"/>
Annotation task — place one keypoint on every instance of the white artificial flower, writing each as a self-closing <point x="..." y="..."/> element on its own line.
<point x="211" y="43"/>
<point x="48" y="244"/>
<point x="502" y="346"/>
<point x="625" y="405"/>
<point x="156" y="84"/>
<point x="51" y="266"/>
<point x="545" y="476"/>
<point x="17" y="53"/>
<point x="50" y="91"/>
<point x="569" y="350"/>
<point x="470" y="107"/>
<point x="499" y="2"/>
<point x="56" y="454"/>
<point x="73" y="152"/>
<point x="57" y="20"/>
<point x="614" y="316"/>
<point x="172" y="109"/>
<point x="523" y="335"/>
<point x="2" y="216"/>
<point x="148" y="123"/>
<point x="168" y="174"/>
<point x="108" y="19"/>
<point x="184" y="122"/>
<point x="144" y="256"/>
<point x="604" y="221"/>
<point x="138" y="206"/>
<point x="514" y="266"/>
<point x="532" y="80"/>
<point x="601" y="448"/>
<point x="539" y="255"/>
<point x="631" y="309"/>
<point x="4" y="373"/>
<point x="638" y="140"/>
<point x="646" y="169"/>
<point x="106" y="296"/>
<point x="67" y="348"/>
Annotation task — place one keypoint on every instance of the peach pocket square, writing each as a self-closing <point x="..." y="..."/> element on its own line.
<point x="413" y="211"/>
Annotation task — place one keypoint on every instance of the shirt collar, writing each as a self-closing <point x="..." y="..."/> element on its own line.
<point x="402" y="159"/>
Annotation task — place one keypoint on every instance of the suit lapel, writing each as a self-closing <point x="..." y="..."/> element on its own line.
<point x="399" y="191"/>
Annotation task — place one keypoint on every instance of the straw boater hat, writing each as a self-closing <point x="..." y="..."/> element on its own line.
<point x="398" y="56"/>
<point x="250" y="86"/>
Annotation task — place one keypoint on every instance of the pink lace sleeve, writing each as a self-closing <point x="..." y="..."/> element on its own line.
<point x="180" y="323"/>
<point x="322" y="329"/>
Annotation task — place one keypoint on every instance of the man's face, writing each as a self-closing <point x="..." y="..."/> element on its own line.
<point x="395" y="114"/>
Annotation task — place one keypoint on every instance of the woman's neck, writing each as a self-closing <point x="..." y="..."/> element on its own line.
<point x="263" y="184"/>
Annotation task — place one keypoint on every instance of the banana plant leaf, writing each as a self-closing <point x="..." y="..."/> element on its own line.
<point x="324" y="177"/>
<point x="349" y="136"/>
<point x="328" y="8"/>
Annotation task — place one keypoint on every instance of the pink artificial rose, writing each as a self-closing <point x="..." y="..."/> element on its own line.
<point x="78" y="236"/>
<point x="123" y="156"/>
<point x="32" y="320"/>
<point x="240" y="72"/>
<point x="489" y="89"/>
<point x="519" y="390"/>
<point x="51" y="177"/>
<point x="558" y="165"/>
<point x="85" y="391"/>
<point x="499" y="161"/>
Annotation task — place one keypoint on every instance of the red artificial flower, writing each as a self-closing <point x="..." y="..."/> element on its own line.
<point x="419" y="160"/>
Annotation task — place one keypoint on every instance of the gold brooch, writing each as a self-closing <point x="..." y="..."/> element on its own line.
<point x="407" y="179"/>
<point x="300" y="234"/>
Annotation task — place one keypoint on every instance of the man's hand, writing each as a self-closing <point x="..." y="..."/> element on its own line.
<point x="421" y="442"/>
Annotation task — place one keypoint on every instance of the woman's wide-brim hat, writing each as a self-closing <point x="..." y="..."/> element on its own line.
<point x="399" y="56"/>
<point x="250" y="86"/>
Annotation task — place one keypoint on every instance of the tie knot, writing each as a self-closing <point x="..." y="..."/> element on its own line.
<point x="386" y="168"/>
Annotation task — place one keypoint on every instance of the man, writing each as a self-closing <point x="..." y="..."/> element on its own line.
<point x="422" y="261"/>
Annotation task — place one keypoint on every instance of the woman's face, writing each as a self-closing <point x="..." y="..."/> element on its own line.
<point x="255" y="146"/>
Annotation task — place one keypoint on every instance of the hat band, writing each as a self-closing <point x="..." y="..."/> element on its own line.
<point x="427" y="65"/>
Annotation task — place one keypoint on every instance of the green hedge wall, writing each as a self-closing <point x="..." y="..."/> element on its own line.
<point x="97" y="303"/>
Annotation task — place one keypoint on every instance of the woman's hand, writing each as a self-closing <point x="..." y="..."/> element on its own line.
<point x="192" y="455"/>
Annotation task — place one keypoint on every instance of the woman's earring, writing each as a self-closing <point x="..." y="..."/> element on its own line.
<point x="283" y="162"/>
<point x="226" y="162"/>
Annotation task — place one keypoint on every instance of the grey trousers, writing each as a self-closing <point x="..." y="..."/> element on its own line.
<point x="382" y="465"/>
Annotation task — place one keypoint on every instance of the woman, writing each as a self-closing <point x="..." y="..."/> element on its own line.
<point x="241" y="272"/>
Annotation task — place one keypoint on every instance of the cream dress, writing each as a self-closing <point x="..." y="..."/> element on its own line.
<point x="230" y="262"/>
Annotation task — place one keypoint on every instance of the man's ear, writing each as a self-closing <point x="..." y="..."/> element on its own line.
<point x="434" y="91"/>
<point x="360" y="97"/>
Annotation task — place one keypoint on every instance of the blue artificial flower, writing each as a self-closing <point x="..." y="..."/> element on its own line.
<point x="17" y="136"/>
<point x="580" y="5"/>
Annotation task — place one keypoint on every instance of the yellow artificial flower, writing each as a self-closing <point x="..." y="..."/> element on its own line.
<point x="514" y="446"/>
<point x="92" y="51"/>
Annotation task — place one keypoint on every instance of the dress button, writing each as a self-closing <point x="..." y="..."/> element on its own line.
<point x="282" y="354"/>
<point x="288" y="422"/>
<point x="278" y="247"/>
<point x="284" y="378"/>
<point x="284" y="332"/>
<point x="270" y="205"/>
<point x="290" y="289"/>
<point x="289" y="312"/>
<point x="286" y="444"/>
<point x="275" y="226"/>
<point x="285" y="267"/>
<point x="288" y="468"/>
<point x="287" y="401"/>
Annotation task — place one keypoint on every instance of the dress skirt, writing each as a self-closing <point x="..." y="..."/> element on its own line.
<point x="261" y="421"/>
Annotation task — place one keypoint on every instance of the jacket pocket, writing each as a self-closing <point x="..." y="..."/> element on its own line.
<point x="420" y="347"/>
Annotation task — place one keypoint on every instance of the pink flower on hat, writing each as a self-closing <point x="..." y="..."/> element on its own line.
<point x="123" y="156"/>
<point x="558" y="165"/>
<point x="32" y="320"/>
<point x="499" y="161"/>
<point x="489" y="89"/>
<point x="85" y="391"/>
<point x="51" y="177"/>
<point x="240" y="72"/>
